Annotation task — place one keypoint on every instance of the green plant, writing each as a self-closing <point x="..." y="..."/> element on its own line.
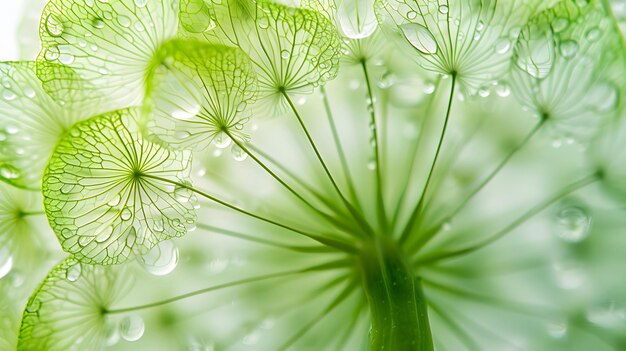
<point x="381" y="200"/>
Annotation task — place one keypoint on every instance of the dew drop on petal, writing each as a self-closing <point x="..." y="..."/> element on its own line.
<point x="141" y="3"/>
<point x="568" y="48"/>
<point x="443" y="9"/>
<point x="126" y="214"/>
<point x="111" y="333"/>
<point x="8" y="95"/>
<point x="124" y="21"/>
<point x="161" y="259"/>
<point x="132" y="327"/>
<point x="420" y="37"/>
<point x="54" y="27"/>
<point x="30" y="93"/>
<point x="73" y="273"/>
<point x="557" y="330"/>
<point x="503" y="89"/>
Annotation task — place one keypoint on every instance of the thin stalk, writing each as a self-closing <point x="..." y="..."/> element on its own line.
<point x="348" y="205"/>
<point x="414" y="148"/>
<point x="323" y="214"/>
<point x="346" y="247"/>
<point x="292" y="175"/>
<point x="429" y="259"/>
<point x="248" y="237"/>
<point x="323" y="267"/>
<point x="23" y="214"/>
<point x="340" y="152"/>
<point x="409" y="226"/>
<point x="380" y="203"/>
<point x="430" y="233"/>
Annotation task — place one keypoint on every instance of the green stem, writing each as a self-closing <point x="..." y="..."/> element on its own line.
<point x="339" y="147"/>
<point x="418" y="208"/>
<point x="429" y="259"/>
<point x="398" y="308"/>
<point x="380" y="203"/>
<point x="323" y="214"/>
<point x="348" y="205"/>
<point x="342" y="246"/>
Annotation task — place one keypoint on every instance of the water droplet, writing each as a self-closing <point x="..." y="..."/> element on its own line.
<point x="559" y="24"/>
<point x="9" y="172"/>
<point x="73" y="272"/>
<point x="357" y="19"/>
<point x="573" y="223"/>
<point x="111" y="333"/>
<point x="30" y="93"/>
<point x="569" y="275"/>
<point x="132" y="327"/>
<point x="429" y="88"/>
<point x="126" y="214"/>
<point x="252" y="338"/>
<point x="186" y="114"/>
<point x="444" y="9"/>
<point x="6" y="262"/>
<point x="420" y="37"/>
<point x="139" y="27"/>
<point x="411" y="15"/>
<point x="97" y="23"/>
<point x="503" y="89"/>
<point x="103" y="71"/>
<point x="606" y="314"/>
<point x="238" y="153"/>
<point x="8" y="95"/>
<point x="161" y="259"/>
<point x="182" y="135"/>
<point x="593" y="34"/>
<point x="66" y="59"/>
<point x="484" y="92"/>
<point x="263" y="22"/>
<point x="503" y="46"/>
<point x="284" y="54"/>
<point x="54" y="27"/>
<point x="557" y="329"/>
<point x="222" y="140"/>
<point x="568" y="48"/>
<point x="141" y="3"/>
<point x="124" y="21"/>
<point x="182" y="192"/>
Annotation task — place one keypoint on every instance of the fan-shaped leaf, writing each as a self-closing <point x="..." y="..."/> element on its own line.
<point x="567" y="68"/>
<point x="30" y="125"/>
<point x="67" y="311"/>
<point x="101" y="195"/>
<point x="203" y="92"/>
<point x="101" y="51"/>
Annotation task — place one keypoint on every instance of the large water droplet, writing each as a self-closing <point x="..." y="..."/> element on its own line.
<point x="124" y="21"/>
<point x="6" y="262"/>
<point x="503" y="46"/>
<point x="132" y="327"/>
<point x="238" y="153"/>
<point x="557" y="329"/>
<point x="162" y="259"/>
<point x="569" y="275"/>
<point x="187" y="113"/>
<point x="73" y="272"/>
<point x="603" y="97"/>
<point x="420" y="37"/>
<point x="141" y="3"/>
<point x="357" y="19"/>
<point x="573" y="223"/>
<point x="126" y="214"/>
<point x="54" y="27"/>
<point x="568" y="48"/>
